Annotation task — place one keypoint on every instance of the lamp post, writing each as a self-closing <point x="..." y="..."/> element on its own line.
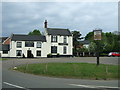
<point x="97" y="38"/>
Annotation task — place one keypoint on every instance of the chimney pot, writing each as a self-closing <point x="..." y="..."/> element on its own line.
<point x="45" y="24"/>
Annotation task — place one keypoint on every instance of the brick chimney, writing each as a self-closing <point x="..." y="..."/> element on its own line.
<point x="45" y="24"/>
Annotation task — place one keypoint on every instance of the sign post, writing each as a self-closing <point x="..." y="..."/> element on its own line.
<point x="97" y="37"/>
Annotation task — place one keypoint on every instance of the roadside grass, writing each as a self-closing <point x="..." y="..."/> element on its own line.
<point x="72" y="70"/>
<point x="1" y="59"/>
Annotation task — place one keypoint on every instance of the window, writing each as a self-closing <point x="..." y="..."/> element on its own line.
<point x="65" y="39"/>
<point x="53" y="38"/>
<point x="38" y="53"/>
<point x="29" y="44"/>
<point x="5" y="52"/>
<point x="19" y="44"/>
<point x="53" y="49"/>
<point x="39" y="44"/>
<point x="19" y="53"/>
<point x="64" y="50"/>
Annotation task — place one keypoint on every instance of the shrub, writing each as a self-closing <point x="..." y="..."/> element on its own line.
<point x="49" y="55"/>
<point x="58" y="55"/>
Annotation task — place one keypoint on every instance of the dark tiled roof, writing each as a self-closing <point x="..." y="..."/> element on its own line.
<point x="4" y="47"/>
<point x="85" y="42"/>
<point x="58" y="31"/>
<point x="18" y="37"/>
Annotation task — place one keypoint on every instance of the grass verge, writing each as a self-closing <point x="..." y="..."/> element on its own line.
<point x="72" y="70"/>
<point x="1" y="59"/>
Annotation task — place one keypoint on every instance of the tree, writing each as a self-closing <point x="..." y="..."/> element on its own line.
<point x="92" y="47"/>
<point x="35" y="32"/>
<point x="110" y="42"/>
<point x="76" y="38"/>
<point x="89" y="36"/>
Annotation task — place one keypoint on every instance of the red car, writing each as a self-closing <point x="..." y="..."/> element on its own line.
<point x="114" y="54"/>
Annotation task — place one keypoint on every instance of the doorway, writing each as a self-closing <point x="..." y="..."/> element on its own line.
<point x="29" y="54"/>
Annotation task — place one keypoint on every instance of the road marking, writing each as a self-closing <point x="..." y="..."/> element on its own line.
<point x="92" y="86"/>
<point x="13" y="85"/>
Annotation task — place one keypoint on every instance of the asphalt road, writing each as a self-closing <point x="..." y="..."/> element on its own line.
<point x="15" y="79"/>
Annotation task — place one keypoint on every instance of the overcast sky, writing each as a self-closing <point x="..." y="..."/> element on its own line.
<point x="21" y="18"/>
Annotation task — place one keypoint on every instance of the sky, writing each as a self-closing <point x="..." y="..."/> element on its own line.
<point x="23" y="17"/>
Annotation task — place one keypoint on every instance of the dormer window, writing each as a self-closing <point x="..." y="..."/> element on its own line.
<point x="53" y="38"/>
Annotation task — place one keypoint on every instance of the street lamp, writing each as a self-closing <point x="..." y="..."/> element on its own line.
<point x="97" y="38"/>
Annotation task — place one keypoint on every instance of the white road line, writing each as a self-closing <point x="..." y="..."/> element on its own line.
<point x="92" y="86"/>
<point x="13" y="85"/>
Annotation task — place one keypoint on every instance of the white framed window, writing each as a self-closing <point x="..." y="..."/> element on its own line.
<point x="64" y="50"/>
<point x="5" y="52"/>
<point x="53" y="49"/>
<point x="53" y="38"/>
<point x="65" y="39"/>
<point x="39" y="44"/>
<point x="29" y="43"/>
<point x="39" y="53"/>
<point x="19" y="45"/>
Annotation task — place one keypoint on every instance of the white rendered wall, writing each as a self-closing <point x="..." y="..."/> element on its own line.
<point x="24" y="49"/>
<point x="4" y="55"/>
<point x="60" y="39"/>
<point x="46" y="47"/>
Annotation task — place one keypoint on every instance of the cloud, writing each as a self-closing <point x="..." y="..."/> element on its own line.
<point x="82" y="16"/>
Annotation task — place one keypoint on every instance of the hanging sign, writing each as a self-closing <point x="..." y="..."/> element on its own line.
<point x="97" y="34"/>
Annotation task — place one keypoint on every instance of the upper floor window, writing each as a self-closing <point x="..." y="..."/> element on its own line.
<point x="39" y="44"/>
<point x="65" y="39"/>
<point x="19" y="44"/>
<point x="53" y="38"/>
<point x="29" y="44"/>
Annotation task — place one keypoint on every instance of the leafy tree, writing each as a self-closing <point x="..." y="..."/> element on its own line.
<point x="35" y="32"/>
<point x="92" y="47"/>
<point x="110" y="42"/>
<point x="99" y="45"/>
<point x="84" y="49"/>
<point x="76" y="38"/>
<point x="89" y="36"/>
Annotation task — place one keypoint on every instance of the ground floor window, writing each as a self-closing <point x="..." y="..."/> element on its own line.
<point x="38" y="53"/>
<point x="53" y="49"/>
<point x="5" y="52"/>
<point x="64" y="50"/>
<point x="18" y="52"/>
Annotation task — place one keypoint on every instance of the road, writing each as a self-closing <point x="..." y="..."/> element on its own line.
<point x="15" y="79"/>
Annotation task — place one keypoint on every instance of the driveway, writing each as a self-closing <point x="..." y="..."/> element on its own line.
<point x="15" y="79"/>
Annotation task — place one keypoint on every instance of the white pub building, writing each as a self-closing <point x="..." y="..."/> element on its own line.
<point x="55" y="41"/>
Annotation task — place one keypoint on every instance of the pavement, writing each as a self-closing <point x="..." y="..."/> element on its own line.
<point x="14" y="79"/>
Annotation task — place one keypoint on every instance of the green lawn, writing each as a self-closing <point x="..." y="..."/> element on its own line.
<point x="72" y="70"/>
<point x="3" y="59"/>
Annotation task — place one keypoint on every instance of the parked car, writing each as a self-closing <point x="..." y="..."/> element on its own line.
<point x="114" y="54"/>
